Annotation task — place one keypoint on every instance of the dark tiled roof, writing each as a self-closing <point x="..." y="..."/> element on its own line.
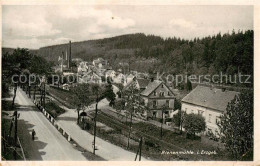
<point x="210" y="97"/>
<point x="151" y="87"/>
<point x="143" y="83"/>
<point x="108" y="72"/>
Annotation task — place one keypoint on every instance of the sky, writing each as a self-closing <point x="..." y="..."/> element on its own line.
<point x="38" y="26"/>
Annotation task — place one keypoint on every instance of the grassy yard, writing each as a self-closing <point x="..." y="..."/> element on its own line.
<point x="154" y="145"/>
<point x="53" y="109"/>
<point x="180" y="140"/>
<point x="62" y="96"/>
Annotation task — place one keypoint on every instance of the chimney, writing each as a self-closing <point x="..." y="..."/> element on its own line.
<point x="69" y="59"/>
<point x="62" y="61"/>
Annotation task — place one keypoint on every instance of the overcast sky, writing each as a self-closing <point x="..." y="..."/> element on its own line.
<point x="37" y="26"/>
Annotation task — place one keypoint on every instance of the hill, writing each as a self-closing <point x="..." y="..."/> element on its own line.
<point x="227" y="53"/>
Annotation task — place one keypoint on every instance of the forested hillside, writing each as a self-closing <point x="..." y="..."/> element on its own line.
<point x="226" y="53"/>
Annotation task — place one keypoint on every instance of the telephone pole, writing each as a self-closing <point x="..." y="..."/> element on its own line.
<point x="162" y="123"/>
<point x="15" y="135"/>
<point x="95" y="128"/>
<point x="139" y="151"/>
<point x="44" y="94"/>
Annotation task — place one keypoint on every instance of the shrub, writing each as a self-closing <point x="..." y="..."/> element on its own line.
<point x="194" y="123"/>
<point x="53" y="109"/>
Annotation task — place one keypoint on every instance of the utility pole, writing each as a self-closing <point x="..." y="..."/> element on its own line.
<point x="95" y="127"/>
<point x="139" y="151"/>
<point x="15" y="135"/>
<point x="130" y="128"/>
<point x="41" y="95"/>
<point x="29" y="91"/>
<point x="44" y="94"/>
<point x="181" y="121"/>
<point x="162" y="124"/>
<point x="140" y="154"/>
<point x="34" y="92"/>
<point x="15" y="89"/>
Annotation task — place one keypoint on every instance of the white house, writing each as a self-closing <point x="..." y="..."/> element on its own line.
<point x="139" y="83"/>
<point x="83" y="67"/>
<point x="111" y="74"/>
<point x="100" y="62"/>
<point x="90" y="77"/>
<point x="129" y="78"/>
<point x="156" y="96"/>
<point x="120" y="79"/>
<point x="209" y="102"/>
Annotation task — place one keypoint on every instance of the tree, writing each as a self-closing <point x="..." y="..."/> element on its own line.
<point x="22" y="61"/>
<point x="97" y="91"/>
<point x="194" y="124"/>
<point x="177" y="104"/>
<point x="109" y="94"/>
<point x="163" y="109"/>
<point x="188" y="85"/>
<point x="134" y="104"/>
<point x="179" y="118"/>
<point x="120" y="92"/>
<point x="236" y="126"/>
<point x="82" y="93"/>
<point x="119" y="105"/>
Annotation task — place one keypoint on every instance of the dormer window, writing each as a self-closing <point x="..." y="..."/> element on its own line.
<point x="161" y="93"/>
<point x="154" y="93"/>
<point x="169" y="94"/>
<point x="162" y="85"/>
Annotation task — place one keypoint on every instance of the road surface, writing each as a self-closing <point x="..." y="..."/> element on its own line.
<point x="49" y="143"/>
<point x="105" y="150"/>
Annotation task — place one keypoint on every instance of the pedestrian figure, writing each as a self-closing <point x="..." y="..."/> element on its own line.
<point x="33" y="134"/>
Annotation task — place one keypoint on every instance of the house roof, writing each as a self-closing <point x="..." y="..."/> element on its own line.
<point x="210" y="97"/>
<point x="143" y="83"/>
<point x="130" y="76"/>
<point x="99" y="60"/>
<point x="109" y="72"/>
<point x="106" y="67"/>
<point x="151" y="87"/>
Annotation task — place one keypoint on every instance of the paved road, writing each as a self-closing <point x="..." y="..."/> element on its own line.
<point x="106" y="150"/>
<point x="49" y="143"/>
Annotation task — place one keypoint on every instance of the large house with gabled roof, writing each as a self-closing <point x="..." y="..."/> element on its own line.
<point x="210" y="102"/>
<point x="157" y="95"/>
<point x="139" y="84"/>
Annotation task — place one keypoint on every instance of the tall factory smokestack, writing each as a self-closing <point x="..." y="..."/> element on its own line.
<point x="69" y="59"/>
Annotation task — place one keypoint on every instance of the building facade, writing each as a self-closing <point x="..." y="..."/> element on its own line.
<point x="158" y="97"/>
<point x="210" y="102"/>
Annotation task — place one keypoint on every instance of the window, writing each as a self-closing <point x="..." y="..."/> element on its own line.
<point x="217" y="119"/>
<point x="167" y="103"/>
<point x="209" y="120"/>
<point x="154" y="104"/>
<point x="209" y="132"/>
<point x="161" y="93"/>
<point x="162" y="85"/>
<point x="200" y="112"/>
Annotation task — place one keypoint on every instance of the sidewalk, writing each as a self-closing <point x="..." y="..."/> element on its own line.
<point x="105" y="150"/>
